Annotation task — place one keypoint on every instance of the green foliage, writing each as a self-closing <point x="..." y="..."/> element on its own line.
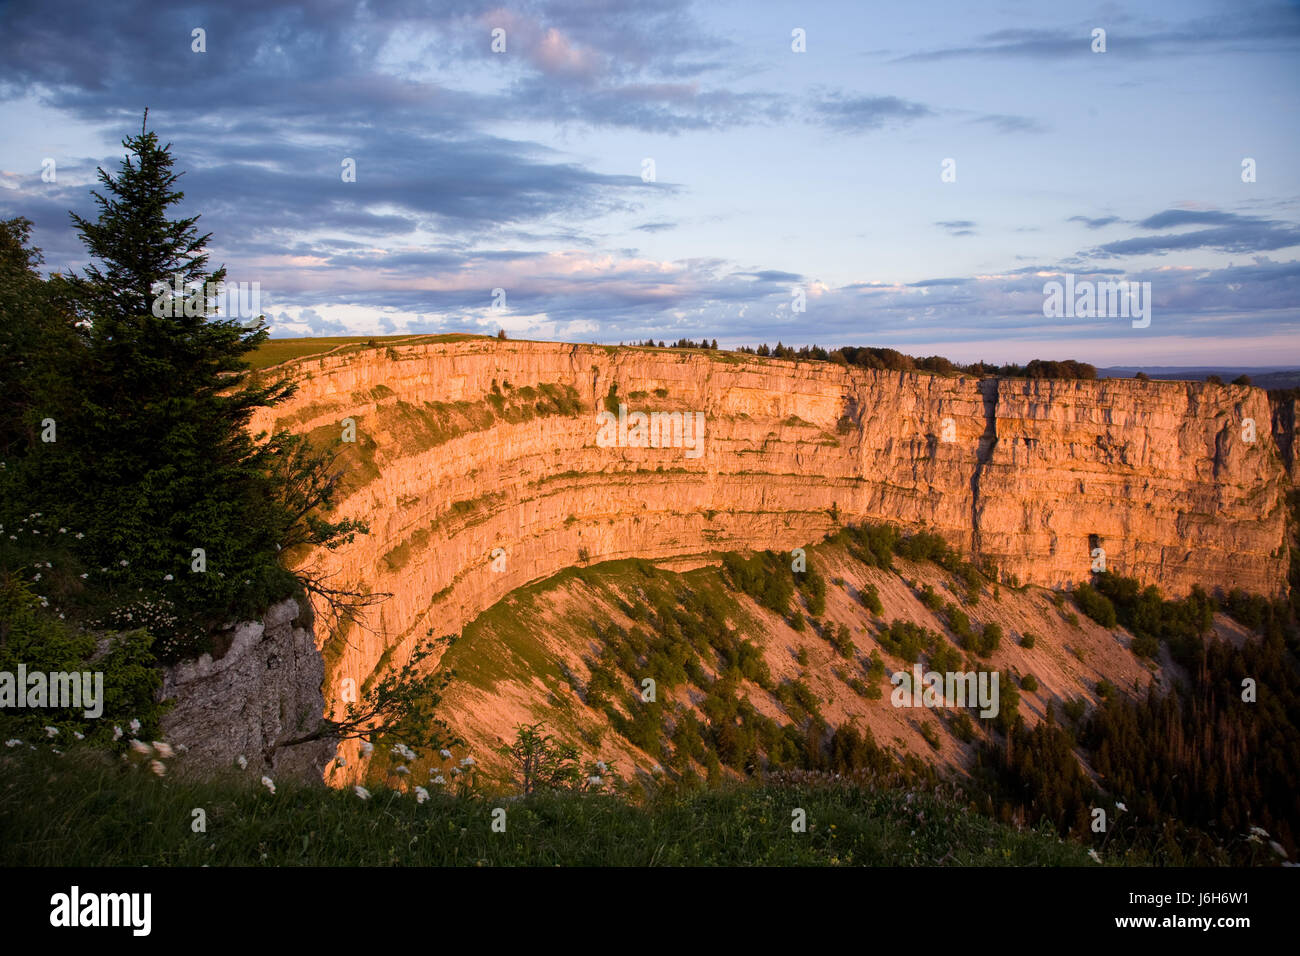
<point x="541" y="764"/>
<point x="1027" y="640"/>
<point x="870" y="598"/>
<point x="764" y="576"/>
<point x="41" y="643"/>
<point x="1095" y="604"/>
<point x="1029" y="683"/>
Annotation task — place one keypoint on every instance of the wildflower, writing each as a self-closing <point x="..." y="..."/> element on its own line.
<point x="168" y="577"/>
<point x="79" y="736"/>
<point x="51" y="731"/>
<point x="63" y="531"/>
<point x="242" y="761"/>
<point x="600" y="765"/>
<point x="467" y="762"/>
<point x="15" y="742"/>
<point x="594" y="780"/>
<point x="124" y="562"/>
<point x="438" y="779"/>
<point x="38" y="576"/>
<point x="341" y="761"/>
<point x="1277" y="848"/>
<point x="140" y="747"/>
<point x="367" y="748"/>
<point x="164" y="750"/>
<point x="402" y="770"/>
<point x="269" y="784"/>
<point x="421" y="794"/>
<point x="456" y="771"/>
<point x="361" y="792"/>
<point x="84" y="575"/>
<point x="1120" y="807"/>
<point x="1094" y="856"/>
<point x="117" y="732"/>
<point x="157" y="767"/>
<point x="80" y="535"/>
<point x="134" y="725"/>
<point x="1259" y="831"/>
<point x="446" y="754"/>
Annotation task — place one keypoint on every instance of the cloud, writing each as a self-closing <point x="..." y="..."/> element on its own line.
<point x="1005" y="123"/>
<point x="1228" y="232"/>
<point x="856" y="114"/>
<point x="958" y="227"/>
<point x="1094" y="223"/>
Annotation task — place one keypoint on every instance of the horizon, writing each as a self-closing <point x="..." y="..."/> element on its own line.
<point x="913" y="181"/>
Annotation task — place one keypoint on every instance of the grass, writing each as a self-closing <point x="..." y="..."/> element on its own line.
<point x="277" y="351"/>
<point x="85" y="809"/>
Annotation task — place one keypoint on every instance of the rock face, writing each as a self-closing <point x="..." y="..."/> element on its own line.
<point x="478" y="468"/>
<point x="266" y="688"/>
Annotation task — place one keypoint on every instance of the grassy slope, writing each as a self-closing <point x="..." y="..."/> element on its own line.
<point x="84" y="810"/>
<point x="528" y="658"/>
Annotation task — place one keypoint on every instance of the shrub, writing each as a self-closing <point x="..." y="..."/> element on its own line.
<point x="1029" y="683"/>
<point x="1095" y="604"/>
<point x="1027" y="640"/>
<point x="870" y="598"/>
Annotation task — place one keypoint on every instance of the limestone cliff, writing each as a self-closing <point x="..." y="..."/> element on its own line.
<point x="477" y="466"/>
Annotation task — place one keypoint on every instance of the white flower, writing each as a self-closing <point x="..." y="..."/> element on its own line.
<point x="38" y="576"/>
<point x="367" y="748"/>
<point x="341" y="761"/>
<point x="1259" y="831"/>
<point x="269" y="784"/>
<point x="438" y="779"/>
<point x="1277" y="848"/>
<point x="456" y="771"/>
<point x="51" y="731"/>
<point x="594" y="781"/>
<point x="402" y="770"/>
<point x="164" y="750"/>
<point x="63" y="531"/>
<point x="157" y="767"/>
<point x="446" y="754"/>
<point x="467" y="762"/>
<point x="600" y="765"/>
<point x="421" y="794"/>
<point x="124" y="562"/>
<point x="134" y="725"/>
<point x="142" y="748"/>
<point x="117" y="732"/>
<point x="168" y="577"/>
<point x="79" y="736"/>
<point x="15" y="742"/>
<point x="1254" y="838"/>
<point x="1119" y="806"/>
<point x="84" y="575"/>
<point x="361" y="792"/>
<point x="80" y="535"/>
<point x="1095" y="857"/>
<point x="242" y="761"/>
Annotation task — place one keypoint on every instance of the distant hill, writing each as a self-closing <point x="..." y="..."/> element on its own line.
<point x="1267" y="377"/>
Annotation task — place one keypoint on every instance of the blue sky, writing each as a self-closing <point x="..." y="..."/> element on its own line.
<point x="774" y="169"/>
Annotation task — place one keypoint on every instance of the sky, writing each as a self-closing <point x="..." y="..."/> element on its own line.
<point x="901" y="175"/>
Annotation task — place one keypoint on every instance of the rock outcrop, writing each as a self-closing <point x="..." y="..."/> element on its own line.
<point x="265" y="689"/>
<point x="477" y="466"/>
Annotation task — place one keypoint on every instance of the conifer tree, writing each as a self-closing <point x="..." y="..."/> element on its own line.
<point x="162" y="473"/>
